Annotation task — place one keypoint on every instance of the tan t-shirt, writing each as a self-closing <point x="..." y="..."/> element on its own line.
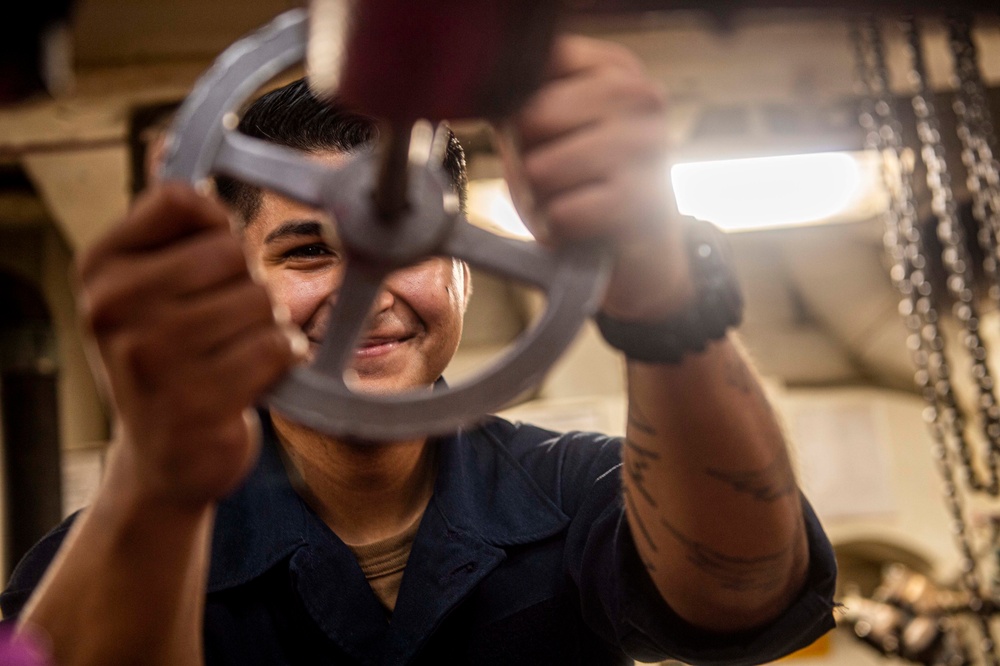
<point x="383" y="562"/>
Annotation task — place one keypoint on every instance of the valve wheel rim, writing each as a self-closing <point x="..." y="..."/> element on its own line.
<point x="204" y="141"/>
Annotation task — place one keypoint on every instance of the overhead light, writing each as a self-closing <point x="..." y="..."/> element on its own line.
<point x="766" y="192"/>
<point x="740" y="194"/>
<point x="490" y="206"/>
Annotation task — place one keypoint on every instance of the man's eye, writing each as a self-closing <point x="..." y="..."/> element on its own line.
<point x="308" y="251"/>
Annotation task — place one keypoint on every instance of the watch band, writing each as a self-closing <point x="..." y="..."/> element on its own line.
<point x="717" y="307"/>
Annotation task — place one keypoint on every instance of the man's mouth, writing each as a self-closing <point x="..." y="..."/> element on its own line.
<point x="371" y="347"/>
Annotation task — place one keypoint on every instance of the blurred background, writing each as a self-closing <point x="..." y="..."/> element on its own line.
<point x="822" y="322"/>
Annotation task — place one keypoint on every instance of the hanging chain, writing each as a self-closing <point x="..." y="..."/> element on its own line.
<point x="904" y="245"/>
<point x="909" y="273"/>
<point x="957" y="262"/>
<point x="975" y="130"/>
<point x="959" y="281"/>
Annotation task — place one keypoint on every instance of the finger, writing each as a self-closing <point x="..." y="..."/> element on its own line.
<point x="251" y="365"/>
<point x="191" y="333"/>
<point x="594" y="154"/>
<point x="203" y="390"/>
<point x="629" y="206"/>
<point x="222" y="316"/>
<point x="573" y="104"/>
<point x="204" y="262"/>
<point x="159" y="216"/>
<point x="570" y="216"/>
<point x="575" y="54"/>
<point x="129" y="287"/>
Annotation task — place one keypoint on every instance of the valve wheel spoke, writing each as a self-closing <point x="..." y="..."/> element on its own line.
<point x="348" y="319"/>
<point x="273" y="167"/>
<point x="515" y="259"/>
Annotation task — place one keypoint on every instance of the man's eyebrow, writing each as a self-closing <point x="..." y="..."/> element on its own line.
<point x="295" y="228"/>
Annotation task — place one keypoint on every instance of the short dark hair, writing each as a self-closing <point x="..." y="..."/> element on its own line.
<point x="292" y="116"/>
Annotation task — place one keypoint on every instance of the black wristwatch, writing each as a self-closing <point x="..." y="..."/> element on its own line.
<point x="717" y="307"/>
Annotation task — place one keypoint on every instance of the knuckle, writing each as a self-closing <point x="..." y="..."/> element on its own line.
<point x="225" y="243"/>
<point x="261" y="349"/>
<point x="536" y="167"/>
<point x="215" y="260"/>
<point x="92" y="263"/>
<point x="276" y="348"/>
<point x="98" y="310"/>
<point x="256" y="365"/>
<point x="622" y="57"/>
<point x="231" y="253"/>
<point x="175" y="195"/>
<point x="181" y="199"/>
<point x="253" y="303"/>
<point x="83" y="266"/>
<point x="634" y="89"/>
<point x="135" y="354"/>
<point x="276" y="354"/>
<point x="560" y="214"/>
<point x="92" y="319"/>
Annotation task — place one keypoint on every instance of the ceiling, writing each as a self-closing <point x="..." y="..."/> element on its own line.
<point x="821" y="309"/>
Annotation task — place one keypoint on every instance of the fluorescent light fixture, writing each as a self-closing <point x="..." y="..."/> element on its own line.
<point x="764" y="192"/>
<point x="490" y="206"/>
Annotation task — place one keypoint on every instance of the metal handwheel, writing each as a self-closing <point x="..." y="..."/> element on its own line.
<point x="204" y="142"/>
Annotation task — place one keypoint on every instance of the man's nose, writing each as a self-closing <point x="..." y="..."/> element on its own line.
<point x="384" y="300"/>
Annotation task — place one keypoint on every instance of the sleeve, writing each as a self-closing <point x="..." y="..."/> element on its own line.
<point x="626" y="609"/>
<point x="29" y="571"/>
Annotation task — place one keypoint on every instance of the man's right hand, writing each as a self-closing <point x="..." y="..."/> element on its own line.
<point x="187" y="340"/>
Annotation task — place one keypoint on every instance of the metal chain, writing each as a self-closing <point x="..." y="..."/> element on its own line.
<point x="904" y="244"/>
<point x="975" y="130"/>
<point x="909" y="273"/>
<point x="955" y="257"/>
<point x="957" y="262"/>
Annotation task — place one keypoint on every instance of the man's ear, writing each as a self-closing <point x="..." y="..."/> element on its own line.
<point x="466" y="282"/>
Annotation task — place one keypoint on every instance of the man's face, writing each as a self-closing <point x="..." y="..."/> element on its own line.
<point x="416" y="320"/>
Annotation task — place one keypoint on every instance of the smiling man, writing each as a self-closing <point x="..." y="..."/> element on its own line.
<point x="417" y="320"/>
<point x="499" y="544"/>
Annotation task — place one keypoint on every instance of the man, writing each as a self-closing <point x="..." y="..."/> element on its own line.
<point x="503" y="544"/>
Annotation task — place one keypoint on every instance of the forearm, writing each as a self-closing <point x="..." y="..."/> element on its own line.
<point x="188" y="340"/>
<point x="128" y="584"/>
<point x="710" y="493"/>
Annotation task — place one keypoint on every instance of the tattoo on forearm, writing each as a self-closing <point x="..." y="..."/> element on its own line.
<point x="641" y="451"/>
<point x="637" y="420"/>
<point x="773" y="482"/>
<point x="639" y="522"/>
<point x="636" y="464"/>
<point x="637" y="461"/>
<point x="763" y="573"/>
